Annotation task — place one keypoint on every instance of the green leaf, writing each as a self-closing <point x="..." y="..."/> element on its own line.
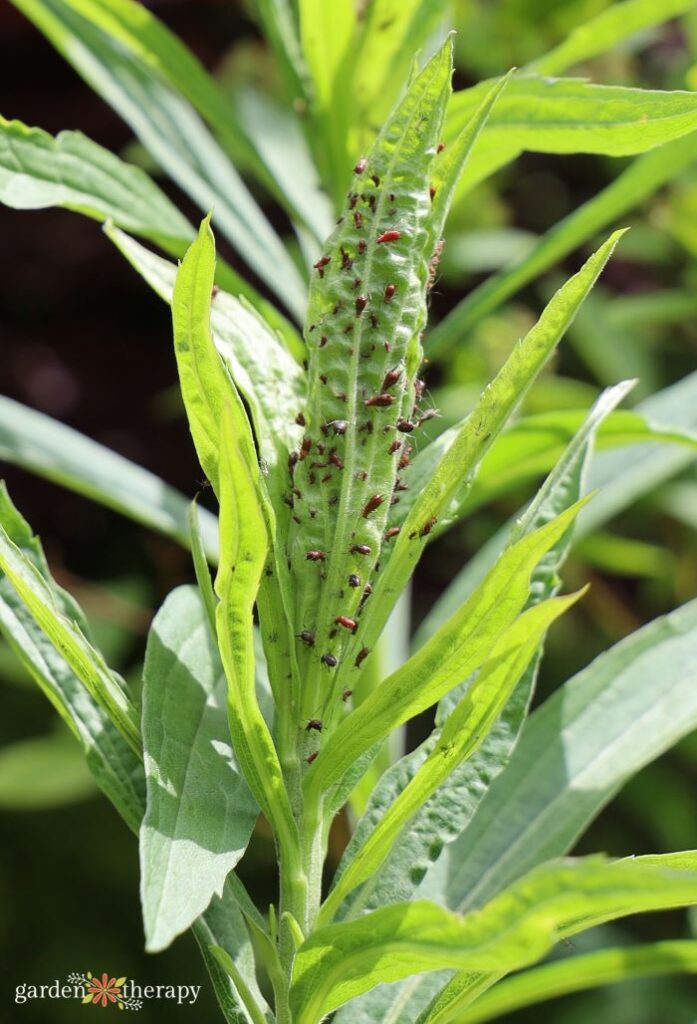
<point x="462" y="733"/>
<point x="527" y="450"/>
<point x="75" y="173"/>
<point x="256" y="1014"/>
<point x="579" y="973"/>
<point x="200" y="813"/>
<point x="68" y="639"/>
<point x="340" y="961"/>
<point x="243" y="547"/>
<point x="599" y="34"/>
<point x="58" y="453"/>
<point x="117" y="770"/>
<point x="49" y="771"/>
<point x="615" y="716"/>
<point x="170" y="130"/>
<point x="569" y="115"/>
<point x="455" y="471"/>
<point x="277" y="19"/>
<point x="461" y="645"/>
<point x="383" y="238"/>
<point x="640" y="180"/>
<point x="203" y="575"/>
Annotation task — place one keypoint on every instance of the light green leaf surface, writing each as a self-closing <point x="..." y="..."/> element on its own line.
<point x="68" y="639"/>
<point x="461" y="735"/>
<point x="201" y="569"/>
<point x="455" y="471"/>
<point x="200" y="813"/>
<point x="599" y="34"/>
<point x="278" y="21"/>
<point x="171" y="130"/>
<point x="567" y="115"/>
<point x="117" y="770"/>
<point x="461" y="645"/>
<point x="71" y="171"/>
<point x="50" y="449"/>
<point x="41" y="773"/>
<point x="579" y="973"/>
<point x="640" y="180"/>
<point x="340" y="961"/>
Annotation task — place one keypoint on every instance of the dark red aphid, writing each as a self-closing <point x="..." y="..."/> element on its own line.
<point x="300" y="420"/>
<point x="353" y="580"/>
<point x="371" y="504"/>
<point x="346" y="264"/>
<point x="307" y="637"/>
<point x="428" y="526"/>
<point x="358" y="219"/>
<point x="392" y="532"/>
<point x="346" y="695"/>
<point x="346" y="622"/>
<point x="432" y="191"/>
<point x="337" y="460"/>
<point x="440" y="147"/>
<point x="315" y="724"/>
<point x="315" y="556"/>
<point x="360" y="166"/>
<point x="394" y="447"/>
<point x="329" y="660"/>
<point x="404" y="458"/>
<point x="321" y="264"/>
<point x="390" y="289"/>
<point x="292" y="461"/>
<point x="375" y="180"/>
<point x="323" y="341"/>
<point x="361" y="656"/>
<point x="305" y="448"/>
<point x="399" y="485"/>
<point x="367" y="589"/>
<point x="361" y="303"/>
<point x="380" y="400"/>
<point x="391" y="378"/>
<point x="360" y="549"/>
<point x="362" y="245"/>
<point x="389" y="236"/>
<point x="323" y="377"/>
<point x="405" y="426"/>
<point x="214" y="291"/>
<point x="353" y="199"/>
<point x="312" y="757"/>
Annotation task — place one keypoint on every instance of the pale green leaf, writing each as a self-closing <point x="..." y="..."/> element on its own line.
<point x="200" y="813"/>
<point x="50" y="449"/>
<point x="340" y="961"/>
<point x="203" y="574"/>
<point x="49" y="771"/>
<point x="75" y="173"/>
<point x="602" y="967"/>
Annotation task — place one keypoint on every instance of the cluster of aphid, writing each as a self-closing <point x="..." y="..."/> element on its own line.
<point x="361" y="392"/>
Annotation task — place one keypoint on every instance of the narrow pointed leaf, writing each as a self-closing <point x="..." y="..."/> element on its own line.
<point x="518" y="928"/>
<point x="203" y="574"/>
<point x="50" y="449"/>
<point x="455" y="471"/>
<point x="461" y="645"/>
<point x="200" y="813"/>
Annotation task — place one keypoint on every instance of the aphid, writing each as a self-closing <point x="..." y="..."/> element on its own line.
<point x="300" y="420"/>
<point x="323" y="341"/>
<point x="292" y="461"/>
<point x="332" y="633"/>
<point x="399" y="485"/>
<point x="321" y="264"/>
<point x="346" y="622"/>
<point x="329" y="660"/>
<point x="214" y="291"/>
<point x="348" y="329"/>
<point x="312" y="757"/>
<point x="337" y="460"/>
<point x="353" y="580"/>
<point x="346" y="695"/>
<point x="362" y="246"/>
<point x="427" y="414"/>
<point x="440" y="147"/>
<point x="360" y="166"/>
<point x="375" y="180"/>
<point x="404" y="458"/>
<point x="380" y="400"/>
<point x="374" y="320"/>
<point x="326" y="478"/>
<point x="357" y="282"/>
<point x="362" y="474"/>
<point x="389" y="236"/>
<point x="405" y="426"/>
<point x="428" y="526"/>
<point x="296" y="519"/>
<point x="367" y="589"/>
<point x="432" y="192"/>
<point x="288" y="499"/>
<point x="360" y="549"/>
<point x="361" y="303"/>
<point x="390" y="289"/>
<point x="315" y="556"/>
<point x="323" y="378"/>
<point x="433" y="263"/>
<point x="361" y="656"/>
<point x="358" y="219"/>
<point x="315" y="724"/>
<point x="297" y="492"/>
<point x="392" y="532"/>
<point x="307" y="637"/>
<point x="372" y="203"/>
<point x="419" y="387"/>
<point x="318" y="465"/>
<point x="305" y="447"/>
<point x="394" y="447"/>
<point x="391" y="378"/>
<point x="371" y="504"/>
<point x="353" y="199"/>
<point x="346" y="264"/>
<point x="338" y="426"/>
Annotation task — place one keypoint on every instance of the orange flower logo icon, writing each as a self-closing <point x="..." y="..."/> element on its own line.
<point x="104" y="991"/>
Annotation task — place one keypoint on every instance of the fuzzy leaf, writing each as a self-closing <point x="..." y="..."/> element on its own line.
<point x="200" y="813"/>
<point x="519" y="927"/>
<point x="461" y="645"/>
